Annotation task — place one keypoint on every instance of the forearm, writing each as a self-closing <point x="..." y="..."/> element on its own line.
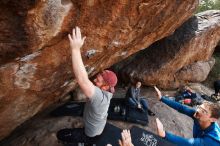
<point x="135" y="100"/>
<point x="179" y="107"/>
<point x="132" y="101"/>
<point x="78" y="66"/>
<point x="180" y="141"/>
<point x="76" y="42"/>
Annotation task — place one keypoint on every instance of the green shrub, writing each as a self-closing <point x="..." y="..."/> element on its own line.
<point x="208" y="5"/>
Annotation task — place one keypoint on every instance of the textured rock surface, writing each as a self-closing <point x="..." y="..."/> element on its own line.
<point x="35" y="66"/>
<point x="195" y="72"/>
<point x="165" y="62"/>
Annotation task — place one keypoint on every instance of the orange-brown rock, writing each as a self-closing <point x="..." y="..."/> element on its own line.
<point x="35" y="65"/>
<point x="174" y="60"/>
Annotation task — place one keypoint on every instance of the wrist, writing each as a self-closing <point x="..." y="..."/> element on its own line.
<point x="163" y="134"/>
<point x="75" y="50"/>
<point x="159" y="98"/>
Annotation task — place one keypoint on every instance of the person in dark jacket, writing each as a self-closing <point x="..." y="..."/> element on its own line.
<point x="206" y="131"/>
<point x="217" y="87"/>
<point x="134" y="100"/>
<point x="188" y="93"/>
<point x="216" y="96"/>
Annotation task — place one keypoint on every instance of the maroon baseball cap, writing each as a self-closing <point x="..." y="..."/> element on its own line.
<point x="110" y="78"/>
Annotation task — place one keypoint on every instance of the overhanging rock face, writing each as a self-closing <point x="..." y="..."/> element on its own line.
<point x="35" y="65"/>
<point x="174" y="60"/>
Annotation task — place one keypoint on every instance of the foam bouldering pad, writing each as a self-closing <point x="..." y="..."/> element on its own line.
<point x="110" y="135"/>
<point x="141" y="137"/>
<point x="114" y="113"/>
<point x="126" y="113"/>
<point x="69" y="109"/>
<point x="137" y="116"/>
<point x="73" y="136"/>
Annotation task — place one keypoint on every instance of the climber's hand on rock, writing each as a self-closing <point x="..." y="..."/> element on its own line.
<point x="76" y="40"/>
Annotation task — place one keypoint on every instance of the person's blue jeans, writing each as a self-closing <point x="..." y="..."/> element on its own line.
<point x="217" y="87"/>
<point x="143" y="102"/>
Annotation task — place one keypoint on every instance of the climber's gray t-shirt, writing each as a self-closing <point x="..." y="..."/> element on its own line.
<point x="95" y="112"/>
